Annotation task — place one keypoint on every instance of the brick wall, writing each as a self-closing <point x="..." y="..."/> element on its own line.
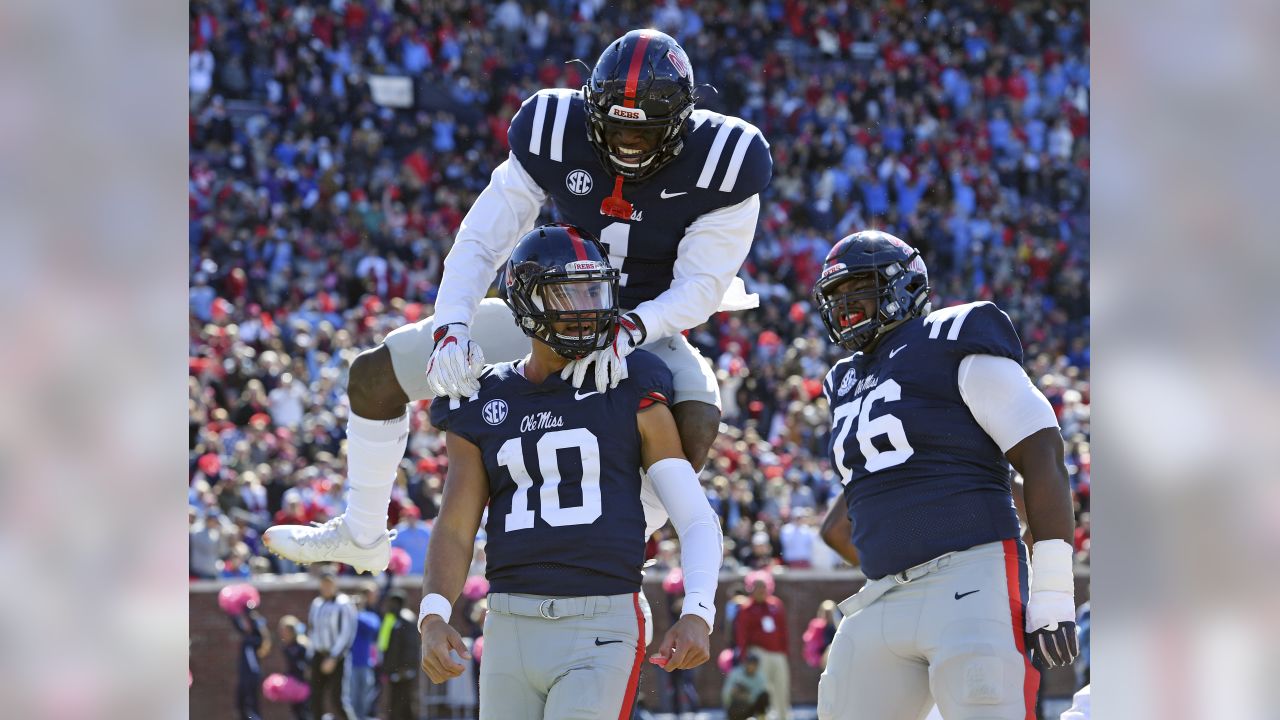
<point x="214" y="643"/>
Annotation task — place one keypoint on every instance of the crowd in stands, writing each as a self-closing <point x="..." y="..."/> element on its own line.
<point x="319" y="220"/>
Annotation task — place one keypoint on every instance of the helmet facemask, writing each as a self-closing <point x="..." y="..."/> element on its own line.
<point x="575" y="313"/>
<point x="899" y="293"/>
<point x="662" y="123"/>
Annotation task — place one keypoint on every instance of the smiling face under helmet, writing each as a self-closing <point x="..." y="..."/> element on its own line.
<point x="562" y="290"/>
<point x="638" y="98"/>
<point x="870" y="266"/>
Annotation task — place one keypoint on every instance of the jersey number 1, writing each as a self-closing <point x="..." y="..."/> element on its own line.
<point x="511" y="456"/>
<point x="868" y="429"/>
<point x="616" y="237"/>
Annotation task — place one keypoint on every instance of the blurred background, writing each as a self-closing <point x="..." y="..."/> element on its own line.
<point x="336" y="146"/>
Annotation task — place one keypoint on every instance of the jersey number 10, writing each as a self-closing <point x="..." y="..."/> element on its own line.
<point x="511" y="456"/>
<point x="868" y="429"/>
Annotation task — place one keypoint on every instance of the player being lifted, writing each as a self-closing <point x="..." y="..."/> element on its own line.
<point x="560" y="471"/>
<point x="927" y="414"/>
<point x="671" y="191"/>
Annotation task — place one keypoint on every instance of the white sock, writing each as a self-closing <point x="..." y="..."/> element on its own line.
<point x="374" y="451"/>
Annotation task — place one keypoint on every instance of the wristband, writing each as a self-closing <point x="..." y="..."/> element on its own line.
<point x="434" y="604"/>
<point x="636" y="328"/>
<point x="1051" y="567"/>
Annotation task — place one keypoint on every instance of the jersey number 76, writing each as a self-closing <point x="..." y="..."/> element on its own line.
<point x="868" y="429"/>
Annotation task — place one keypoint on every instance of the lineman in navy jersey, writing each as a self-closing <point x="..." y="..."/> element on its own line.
<point x="560" y="472"/>
<point x="674" y="194"/>
<point x="927" y="414"/>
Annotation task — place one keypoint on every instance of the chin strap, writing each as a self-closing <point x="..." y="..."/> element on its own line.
<point x="615" y="205"/>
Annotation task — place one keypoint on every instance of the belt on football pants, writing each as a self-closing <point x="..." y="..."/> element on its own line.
<point x="875" y="588"/>
<point x="548" y="608"/>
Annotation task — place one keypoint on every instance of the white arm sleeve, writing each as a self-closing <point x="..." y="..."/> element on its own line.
<point x="696" y="524"/>
<point x="1003" y="400"/>
<point x="707" y="261"/>
<point x="505" y="210"/>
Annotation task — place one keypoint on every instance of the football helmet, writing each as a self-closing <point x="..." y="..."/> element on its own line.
<point x="562" y="290"/>
<point x="901" y="287"/>
<point x="642" y="82"/>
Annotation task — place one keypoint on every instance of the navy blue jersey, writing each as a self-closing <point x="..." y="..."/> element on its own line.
<point x="725" y="160"/>
<point x="921" y="476"/>
<point x="564" y="477"/>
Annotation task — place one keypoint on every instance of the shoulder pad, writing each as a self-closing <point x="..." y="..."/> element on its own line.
<point x="650" y="374"/>
<point x="978" y="328"/>
<point x="539" y="126"/>
<point x="834" y="375"/>
<point x="737" y="160"/>
<point x="445" y="411"/>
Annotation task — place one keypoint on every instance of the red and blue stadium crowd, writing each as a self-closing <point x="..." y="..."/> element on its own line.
<point x="319" y="220"/>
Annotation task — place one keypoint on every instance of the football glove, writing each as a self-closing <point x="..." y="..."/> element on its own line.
<point x="456" y="363"/>
<point x="1049" y="636"/>
<point x="611" y="362"/>
<point x="1051" y="606"/>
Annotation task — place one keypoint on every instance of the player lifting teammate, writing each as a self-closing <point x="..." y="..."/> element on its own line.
<point x="560" y="472"/>
<point x="672" y="192"/>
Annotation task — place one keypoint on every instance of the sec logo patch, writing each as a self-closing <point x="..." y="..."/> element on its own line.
<point x="847" y="383"/>
<point x="494" y="412"/>
<point x="578" y="182"/>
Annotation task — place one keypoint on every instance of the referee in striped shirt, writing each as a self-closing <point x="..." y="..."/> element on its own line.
<point x="332" y="623"/>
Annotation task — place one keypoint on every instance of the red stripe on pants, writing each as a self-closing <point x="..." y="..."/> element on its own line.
<point x="630" y="695"/>
<point x="1031" y="676"/>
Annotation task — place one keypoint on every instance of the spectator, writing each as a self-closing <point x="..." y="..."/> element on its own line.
<point x="798" y="537"/>
<point x="399" y="643"/>
<point x="296" y="648"/>
<point x="820" y="633"/>
<point x="412" y="535"/>
<point x="332" y="622"/>
<point x="255" y="643"/>
<point x="206" y="539"/>
<point x="360" y="693"/>
<point x="745" y="692"/>
<point x="761" y="627"/>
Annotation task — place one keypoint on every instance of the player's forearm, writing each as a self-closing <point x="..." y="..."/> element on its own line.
<point x="708" y="258"/>
<point x="1046" y="487"/>
<point x="837" y="533"/>
<point x="448" y="560"/>
<point x="506" y="209"/>
<point x="698" y="527"/>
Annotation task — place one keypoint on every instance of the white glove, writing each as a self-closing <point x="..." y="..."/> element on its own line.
<point x="611" y="362"/>
<point x="456" y="363"/>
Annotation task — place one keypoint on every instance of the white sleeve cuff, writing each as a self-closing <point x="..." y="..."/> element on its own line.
<point x="1003" y="400"/>
<point x="704" y="606"/>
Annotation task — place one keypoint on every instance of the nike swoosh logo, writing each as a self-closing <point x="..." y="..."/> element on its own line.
<point x="895" y="352"/>
<point x="664" y="194"/>
<point x="704" y="607"/>
<point x="960" y="595"/>
<point x="580" y="396"/>
<point x="606" y="642"/>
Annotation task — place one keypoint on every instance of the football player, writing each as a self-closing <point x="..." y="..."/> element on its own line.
<point x="559" y="469"/>
<point x="927" y="414"/>
<point x="673" y="192"/>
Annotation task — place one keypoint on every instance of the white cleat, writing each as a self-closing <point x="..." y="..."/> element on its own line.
<point x="330" y="542"/>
